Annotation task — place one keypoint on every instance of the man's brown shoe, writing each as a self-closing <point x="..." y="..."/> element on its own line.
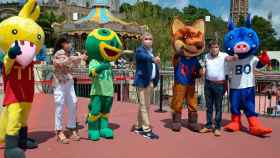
<point x="217" y="132"/>
<point x="205" y="130"/>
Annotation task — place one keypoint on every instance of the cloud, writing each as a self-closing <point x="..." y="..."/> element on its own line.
<point x="263" y="7"/>
<point x="180" y="4"/>
<point x="128" y="1"/>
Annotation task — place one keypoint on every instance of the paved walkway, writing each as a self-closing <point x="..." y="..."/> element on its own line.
<point x="126" y="144"/>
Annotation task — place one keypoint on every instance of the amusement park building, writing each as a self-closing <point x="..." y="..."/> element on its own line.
<point x="275" y="60"/>
<point x="66" y="8"/>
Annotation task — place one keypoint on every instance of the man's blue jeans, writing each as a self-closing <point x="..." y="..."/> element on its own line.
<point x="214" y="93"/>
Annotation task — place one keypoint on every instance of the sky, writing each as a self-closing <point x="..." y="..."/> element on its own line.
<point x="222" y="7"/>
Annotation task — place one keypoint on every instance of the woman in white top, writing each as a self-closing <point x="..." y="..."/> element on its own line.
<point x="64" y="89"/>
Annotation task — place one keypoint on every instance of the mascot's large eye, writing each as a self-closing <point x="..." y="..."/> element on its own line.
<point x="14" y="31"/>
<point x="186" y="37"/>
<point x="104" y="32"/>
<point x="113" y="43"/>
<point x="39" y="36"/>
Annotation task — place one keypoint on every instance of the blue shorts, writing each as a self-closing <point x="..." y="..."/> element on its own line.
<point x="243" y="99"/>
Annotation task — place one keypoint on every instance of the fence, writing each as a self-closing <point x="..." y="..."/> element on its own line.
<point x="125" y="92"/>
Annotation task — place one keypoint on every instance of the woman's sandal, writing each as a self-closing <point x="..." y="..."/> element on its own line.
<point x="73" y="134"/>
<point x="61" y="138"/>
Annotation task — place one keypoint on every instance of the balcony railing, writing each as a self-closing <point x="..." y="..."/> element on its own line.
<point x="126" y="92"/>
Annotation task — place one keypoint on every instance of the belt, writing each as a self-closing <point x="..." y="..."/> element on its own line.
<point x="217" y="82"/>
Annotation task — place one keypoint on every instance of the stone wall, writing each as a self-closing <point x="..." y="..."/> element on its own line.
<point x="62" y="8"/>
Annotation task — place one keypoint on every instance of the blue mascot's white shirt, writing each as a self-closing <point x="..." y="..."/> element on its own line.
<point x="242" y="72"/>
<point x="244" y="42"/>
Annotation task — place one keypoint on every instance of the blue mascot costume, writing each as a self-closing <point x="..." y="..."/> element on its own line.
<point x="244" y="42"/>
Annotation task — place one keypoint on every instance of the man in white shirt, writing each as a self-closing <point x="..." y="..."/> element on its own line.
<point x="215" y="64"/>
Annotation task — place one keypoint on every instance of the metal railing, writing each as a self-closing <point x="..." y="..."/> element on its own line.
<point x="126" y="92"/>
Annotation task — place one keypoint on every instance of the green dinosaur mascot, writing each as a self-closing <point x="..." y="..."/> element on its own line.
<point x="103" y="46"/>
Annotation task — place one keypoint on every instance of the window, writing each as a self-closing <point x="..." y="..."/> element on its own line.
<point x="275" y="65"/>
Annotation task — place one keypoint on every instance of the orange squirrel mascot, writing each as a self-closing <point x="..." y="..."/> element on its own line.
<point x="188" y="42"/>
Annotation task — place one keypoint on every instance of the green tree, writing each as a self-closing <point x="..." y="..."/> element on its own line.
<point x="45" y="21"/>
<point x="266" y="33"/>
<point x="191" y="13"/>
<point x="241" y="21"/>
<point x="159" y="20"/>
<point x="125" y="8"/>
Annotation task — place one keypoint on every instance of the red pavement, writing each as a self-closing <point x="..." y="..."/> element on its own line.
<point x="126" y="144"/>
